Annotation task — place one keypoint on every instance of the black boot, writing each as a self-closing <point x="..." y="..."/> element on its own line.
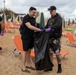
<point x="49" y="69"/>
<point x="59" y="68"/>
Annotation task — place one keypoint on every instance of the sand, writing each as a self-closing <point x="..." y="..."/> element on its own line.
<point x="11" y="66"/>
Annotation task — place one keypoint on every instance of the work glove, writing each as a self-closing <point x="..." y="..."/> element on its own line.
<point x="48" y="30"/>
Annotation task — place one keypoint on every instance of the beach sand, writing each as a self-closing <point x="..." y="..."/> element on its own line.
<point x="11" y="66"/>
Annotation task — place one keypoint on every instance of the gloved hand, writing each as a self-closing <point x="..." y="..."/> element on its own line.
<point x="48" y="30"/>
<point x="1" y="34"/>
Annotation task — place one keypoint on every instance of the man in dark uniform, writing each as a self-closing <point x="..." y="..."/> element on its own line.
<point x="27" y="32"/>
<point x="55" y="23"/>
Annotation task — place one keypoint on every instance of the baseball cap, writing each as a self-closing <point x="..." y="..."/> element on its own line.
<point x="52" y="8"/>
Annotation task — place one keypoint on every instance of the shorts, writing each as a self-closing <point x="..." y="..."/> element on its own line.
<point x="28" y="43"/>
<point x="55" y="45"/>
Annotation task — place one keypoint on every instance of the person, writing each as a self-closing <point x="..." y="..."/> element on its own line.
<point x="55" y="24"/>
<point x="27" y="32"/>
<point x="1" y="28"/>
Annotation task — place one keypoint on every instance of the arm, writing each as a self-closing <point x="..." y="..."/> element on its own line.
<point x="55" y="26"/>
<point x="32" y="27"/>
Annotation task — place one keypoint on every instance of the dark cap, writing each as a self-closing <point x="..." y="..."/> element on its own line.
<point x="51" y="8"/>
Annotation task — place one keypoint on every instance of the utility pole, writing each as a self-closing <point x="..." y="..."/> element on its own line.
<point x="4" y="4"/>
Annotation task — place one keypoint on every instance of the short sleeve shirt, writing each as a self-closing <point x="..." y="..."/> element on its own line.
<point x="28" y="33"/>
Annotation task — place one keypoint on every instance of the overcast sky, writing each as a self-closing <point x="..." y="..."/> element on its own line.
<point x="66" y="8"/>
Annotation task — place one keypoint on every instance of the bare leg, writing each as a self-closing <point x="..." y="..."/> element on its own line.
<point x="23" y="60"/>
<point x="58" y="59"/>
<point x="28" y="58"/>
<point x="29" y="61"/>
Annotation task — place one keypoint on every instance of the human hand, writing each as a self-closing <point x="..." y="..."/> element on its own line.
<point x="48" y="30"/>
